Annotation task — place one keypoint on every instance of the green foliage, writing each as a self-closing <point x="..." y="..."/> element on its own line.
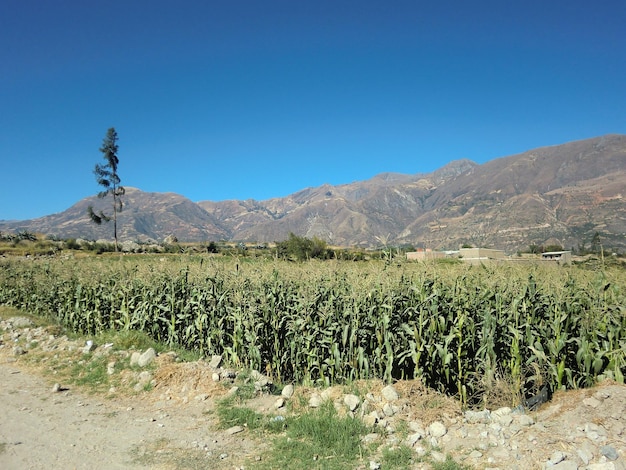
<point x="397" y="458"/>
<point x="337" y="322"/>
<point x="302" y="248"/>
<point x="108" y="178"/>
<point x="318" y="439"/>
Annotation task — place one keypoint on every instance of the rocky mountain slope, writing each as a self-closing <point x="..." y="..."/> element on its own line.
<point x="564" y="194"/>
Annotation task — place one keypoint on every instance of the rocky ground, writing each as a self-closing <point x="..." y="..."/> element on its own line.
<point x="159" y="415"/>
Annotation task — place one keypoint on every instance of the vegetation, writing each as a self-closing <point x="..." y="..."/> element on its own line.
<point x="454" y="326"/>
<point x="108" y="178"/>
<point x="302" y="248"/>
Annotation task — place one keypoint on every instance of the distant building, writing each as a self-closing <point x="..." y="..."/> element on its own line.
<point x="479" y="255"/>
<point x="564" y="257"/>
<point x="424" y="254"/>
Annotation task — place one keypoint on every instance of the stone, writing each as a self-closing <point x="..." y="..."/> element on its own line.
<point x="609" y="452"/>
<point x="592" y="402"/>
<point x="412" y="439"/>
<point x="388" y="410"/>
<point x="287" y="392"/>
<point x="416" y="426"/>
<point x="351" y="401"/>
<point x="56" y="388"/>
<point x="438" y="456"/>
<point x="374" y="465"/>
<point x="475" y="454"/>
<point x="215" y="362"/>
<point x="585" y="455"/>
<point x="555" y="458"/>
<point x="369" y="420"/>
<point x="111" y="368"/>
<point x="315" y="401"/>
<point x="134" y="358"/>
<point x="477" y="416"/>
<point x="146" y="358"/>
<point x="389" y="393"/>
<point x="215" y="377"/>
<point x="279" y="403"/>
<point x="437" y="429"/>
<point x="234" y="430"/>
<point x="20" y="322"/>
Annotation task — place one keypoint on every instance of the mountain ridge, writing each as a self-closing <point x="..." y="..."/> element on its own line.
<point x="565" y="192"/>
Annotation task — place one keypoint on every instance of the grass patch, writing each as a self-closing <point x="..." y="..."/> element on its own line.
<point x="397" y="457"/>
<point x="239" y="416"/>
<point x="91" y="374"/>
<point x="3" y="447"/>
<point x="318" y="439"/>
<point x="449" y="464"/>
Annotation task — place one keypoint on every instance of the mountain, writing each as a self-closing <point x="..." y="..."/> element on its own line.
<point x="562" y="194"/>
<point x="145" y="216"/>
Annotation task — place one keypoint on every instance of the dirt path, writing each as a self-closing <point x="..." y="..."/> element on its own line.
<point x="43" y="429"/>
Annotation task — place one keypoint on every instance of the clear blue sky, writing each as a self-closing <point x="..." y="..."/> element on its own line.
<point x="242" y="99"/>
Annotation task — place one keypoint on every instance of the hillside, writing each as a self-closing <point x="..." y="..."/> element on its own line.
<point x="564" y="192"/>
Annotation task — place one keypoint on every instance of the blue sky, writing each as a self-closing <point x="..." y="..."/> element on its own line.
<point x="220" y="100"/>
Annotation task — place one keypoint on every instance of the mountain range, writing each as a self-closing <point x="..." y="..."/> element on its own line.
<point x="563" y="195"/>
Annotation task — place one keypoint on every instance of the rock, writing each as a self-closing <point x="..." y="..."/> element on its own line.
<point x="279" y="403"/>
<point x="20" y="322"/>
<point x="369" y="420"/>
<point x="475" y="454"/>
<point x="389" y="393"/>
<point x="412" y="439"/>
<point x="202" y="397"/>
<point x="555" y="458"/>
<point x="56" y="388"/>
<point x="437" y="429"/>
<point x="215" y="377"/>
<point x="478" y="416"/>
<point x="388" y="410"/>
<point x="143" y="379"/>
<point x="592" y="402"/>
<point x="351" y="401"/>
<point x="134" y="358"/>
<point x="315" y="401"/>
<point x="234" y="430"/>
<point x="609" y="452"/>
<point x="416" y="426"/>
<point x="287" y="392"/>
<point x="374" y="465"/>
<point x="111" y="368"/>
<point x="18" y="351"/>
<point x="215" y="362"/>
<point x="146" y="358"/>
<point x="585" y="455"/>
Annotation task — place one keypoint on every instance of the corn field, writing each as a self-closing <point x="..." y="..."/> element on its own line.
<point x="331" y="322"/>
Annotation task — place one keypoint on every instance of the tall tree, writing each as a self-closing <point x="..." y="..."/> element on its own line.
<point x="107" y="177"/>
